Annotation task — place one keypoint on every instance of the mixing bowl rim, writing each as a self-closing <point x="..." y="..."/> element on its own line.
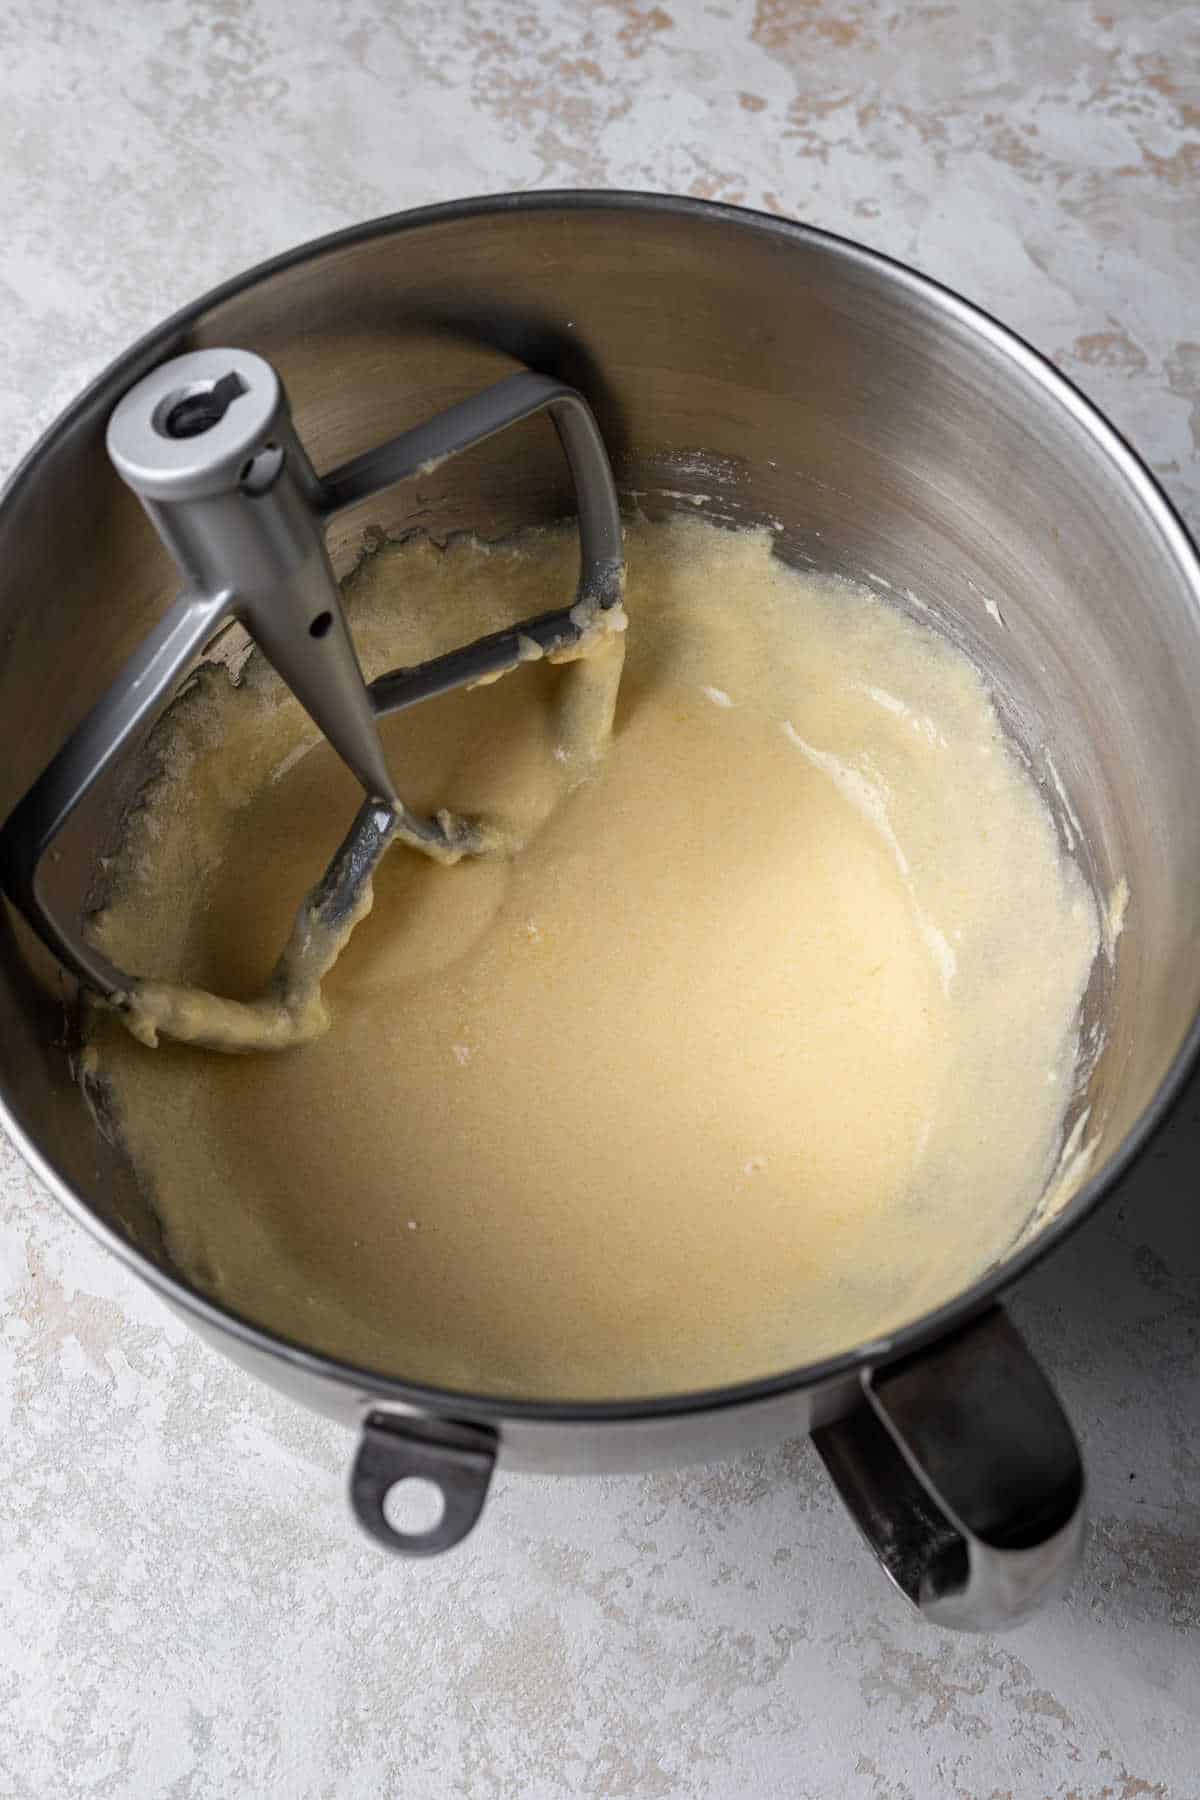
<point x="1059" y="390"/>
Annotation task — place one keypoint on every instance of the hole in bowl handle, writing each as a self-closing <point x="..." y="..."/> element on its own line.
<point x="962" y="1471"/>
<point x="457" y="1459"/>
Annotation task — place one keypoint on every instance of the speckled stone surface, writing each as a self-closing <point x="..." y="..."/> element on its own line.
<point x="185" y="1608"/>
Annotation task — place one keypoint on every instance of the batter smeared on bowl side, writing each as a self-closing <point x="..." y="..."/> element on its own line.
<point x="760" y="1045"/>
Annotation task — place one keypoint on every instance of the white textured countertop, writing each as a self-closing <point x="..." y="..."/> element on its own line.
<point x="186" y="1609"/>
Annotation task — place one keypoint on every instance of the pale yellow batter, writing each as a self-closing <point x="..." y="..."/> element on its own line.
<point x="761" y="1045"/>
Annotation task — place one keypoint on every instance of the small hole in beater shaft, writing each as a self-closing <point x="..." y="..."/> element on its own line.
<point x="192" y="414"/>
<point x="320" y="625"/>
<point x="259" y="473"/>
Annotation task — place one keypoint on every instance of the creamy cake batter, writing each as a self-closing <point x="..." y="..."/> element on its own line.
<point x="761" y="1045"/>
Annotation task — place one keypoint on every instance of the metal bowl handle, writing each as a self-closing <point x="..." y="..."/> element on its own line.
<point x="963" y="1474"/>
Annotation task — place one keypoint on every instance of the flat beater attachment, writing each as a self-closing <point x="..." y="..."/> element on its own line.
<point x="207" y="443"/>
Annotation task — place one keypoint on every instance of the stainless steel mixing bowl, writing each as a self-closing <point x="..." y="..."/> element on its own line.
<point x="895" y="434"/>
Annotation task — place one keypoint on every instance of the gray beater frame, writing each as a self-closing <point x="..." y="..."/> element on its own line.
<point x="207" y="443"/>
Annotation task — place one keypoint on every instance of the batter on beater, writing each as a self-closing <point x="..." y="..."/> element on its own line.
<point x="760" y="1045"/>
